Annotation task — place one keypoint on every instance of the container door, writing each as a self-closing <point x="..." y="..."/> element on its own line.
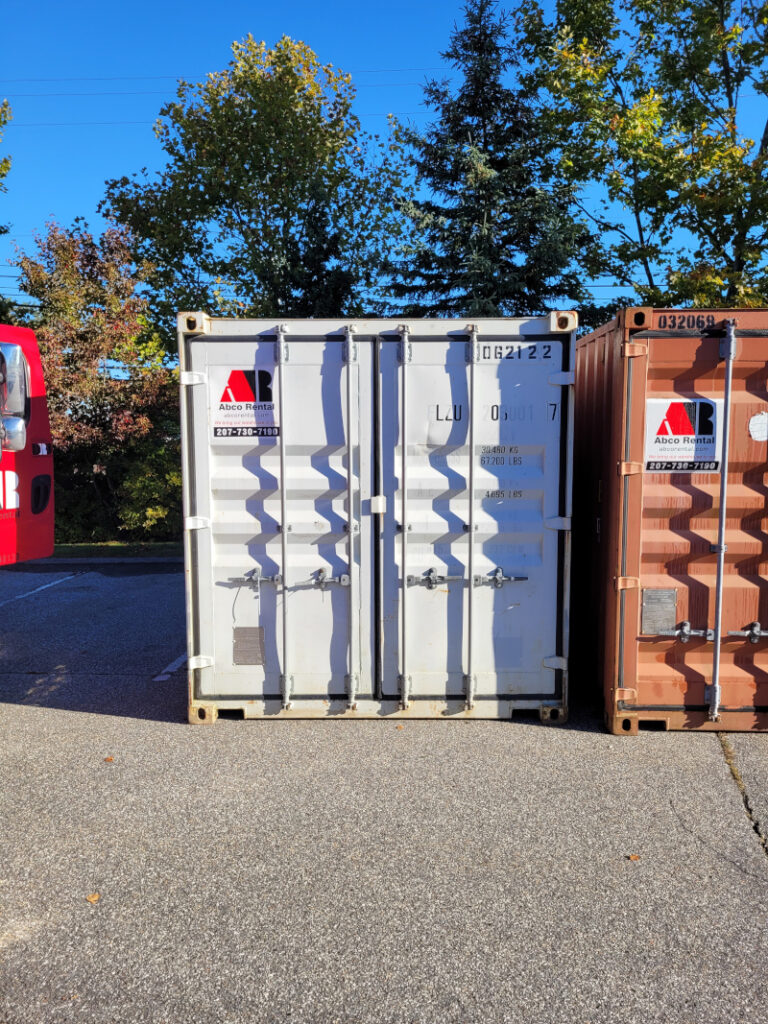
<point x="474" y="537"/>
<point x="674" y="433"/>
<point x="283" y="621"/>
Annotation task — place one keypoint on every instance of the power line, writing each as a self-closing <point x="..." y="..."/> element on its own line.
<point x="176" y="78"/>
<point x="157" y="92"/>
<point x="102" y="124"/>
<point x="74" y="124"/>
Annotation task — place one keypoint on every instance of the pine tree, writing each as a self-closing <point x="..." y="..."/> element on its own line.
<point x="493" y="235"/>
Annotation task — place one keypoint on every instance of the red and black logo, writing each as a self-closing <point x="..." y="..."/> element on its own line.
<point x="247" y="386"/>
<point x="688" y="419"/>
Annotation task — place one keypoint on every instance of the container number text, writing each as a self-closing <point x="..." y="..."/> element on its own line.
<point x="691" y="320"/>
<point x="519" y="352"/>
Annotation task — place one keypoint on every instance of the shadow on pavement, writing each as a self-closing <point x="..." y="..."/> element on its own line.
<point x="102" y="675"/>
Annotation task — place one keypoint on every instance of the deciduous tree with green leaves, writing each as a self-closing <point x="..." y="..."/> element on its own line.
<point x="112" y="395"/>
<point x="494" y="233"/>
<point x="659" y="111"/>
<point x="273" y="201"/>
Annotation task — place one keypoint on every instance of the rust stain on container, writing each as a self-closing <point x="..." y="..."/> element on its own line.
<point x="650" y="414"/>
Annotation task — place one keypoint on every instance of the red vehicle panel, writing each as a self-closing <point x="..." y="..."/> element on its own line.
<point x="26" y="477"/>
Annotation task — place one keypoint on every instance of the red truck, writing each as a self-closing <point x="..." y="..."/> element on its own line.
<point x="26" y="458"/>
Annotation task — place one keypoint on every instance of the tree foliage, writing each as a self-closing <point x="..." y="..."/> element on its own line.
<point x="494" y="235"/>
<point x="273" y="201"/>
<point x="651" y="102"/>
<point x="5" y="161"/>
<point x="112" y="397"/>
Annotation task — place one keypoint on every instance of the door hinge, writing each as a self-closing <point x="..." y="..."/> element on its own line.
<point x="562" y="380"/>
<point x="558" y="663"/>
<point x="558" y="523"/>
<point x="629" y="468"/>
<point x="627" y="583"/>
<point x="189" y="377"/>
<point x="349" y="350"/>
<point x="404" y="349"/>
<point x="196" y="523"/>
<point x="200" y="661"/>
<point x="281" y="347"/>
<point x="630" y="349"/>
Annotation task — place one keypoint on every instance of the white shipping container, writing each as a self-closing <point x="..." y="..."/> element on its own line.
<point x="377" y="516"/>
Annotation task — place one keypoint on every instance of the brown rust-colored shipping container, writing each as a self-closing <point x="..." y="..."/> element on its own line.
<point x="670" y="595"/>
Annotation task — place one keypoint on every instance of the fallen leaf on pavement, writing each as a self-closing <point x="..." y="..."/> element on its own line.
<point x="109" y="760"/>
<point x="633" y="856"/>
<point x="93" y="897"/>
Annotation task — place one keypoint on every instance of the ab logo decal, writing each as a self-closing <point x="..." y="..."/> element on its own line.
<point x="248" y="386"/>
<point x="687" y="419"/>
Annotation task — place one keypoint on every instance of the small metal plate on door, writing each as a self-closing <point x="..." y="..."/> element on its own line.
<point x="659" y="611"/>
<point x="248" y="645"/>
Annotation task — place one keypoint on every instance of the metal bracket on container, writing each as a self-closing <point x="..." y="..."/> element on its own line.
<point x="631" y="349"/>
<point x="196" y="523"/>
<point x="627" y="583"/>
<point x="684" y="632"/>
<point x="253" y="578"/>
<point x="497" y="578"/>
<point x="199" y="661"/>
<point x="189" y="377"/>
<point x="349" y="350"/>
<point x="473" y="345"/>
<point x="754" y="632"/>
<point x="431" y="579"/>
<point x="281" y="348"/>
<point x="405" y="691"/>
<point x="558" y="523"/>
<point x="470" y="685"/>
<point x="405" y="349"/>
<point x="322" y="579"/>
<point x="558" y="663"/>
<point x="350" y="682"/>
<point x="286" y="685"/>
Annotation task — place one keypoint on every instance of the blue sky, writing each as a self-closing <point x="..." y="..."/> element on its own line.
<point x="85" y="81"/>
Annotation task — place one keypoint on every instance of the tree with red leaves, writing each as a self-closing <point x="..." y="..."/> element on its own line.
<point x="112" y="391"/>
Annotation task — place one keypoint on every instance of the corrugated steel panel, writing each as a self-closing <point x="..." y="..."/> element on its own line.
<point x="378" y="516"/>
<point x="651" y="416"/>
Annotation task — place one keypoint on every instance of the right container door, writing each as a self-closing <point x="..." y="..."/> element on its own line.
<point x="474" y="463"/>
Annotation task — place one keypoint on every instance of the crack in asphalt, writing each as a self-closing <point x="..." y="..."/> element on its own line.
<point x="730" y="759"/>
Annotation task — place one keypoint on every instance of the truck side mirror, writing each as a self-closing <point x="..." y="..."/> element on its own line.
<point x="14" y="396"/>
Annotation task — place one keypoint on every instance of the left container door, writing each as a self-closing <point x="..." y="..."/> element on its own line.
<point x="280" y="446"/>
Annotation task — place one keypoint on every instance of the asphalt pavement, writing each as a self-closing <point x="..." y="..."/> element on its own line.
<point x="341" y="871"/>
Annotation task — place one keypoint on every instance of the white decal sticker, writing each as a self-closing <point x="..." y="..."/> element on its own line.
<point x="758" y="427"/>
<point x="683" y="435"/>
<point x="242" y="403"/>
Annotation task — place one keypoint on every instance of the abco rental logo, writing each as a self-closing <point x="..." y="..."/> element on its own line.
<point x="245" y="406"/>
<point x="683" y="436"/>
<point x="247" y="386"/>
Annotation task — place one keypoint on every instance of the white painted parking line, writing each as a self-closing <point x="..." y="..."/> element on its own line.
<point x="170" y="669"/>
<point x="37" y="590"/>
